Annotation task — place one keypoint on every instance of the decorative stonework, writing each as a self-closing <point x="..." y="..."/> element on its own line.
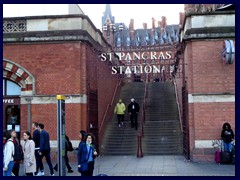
<point x="14" y="26"/>
<point x="19" y="75"/>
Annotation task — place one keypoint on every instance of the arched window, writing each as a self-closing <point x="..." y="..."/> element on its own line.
<point x="10" y="88"/>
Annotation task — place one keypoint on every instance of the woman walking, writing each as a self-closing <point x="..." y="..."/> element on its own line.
<point x="29" y="154"/>
<point x="86" y="155"/>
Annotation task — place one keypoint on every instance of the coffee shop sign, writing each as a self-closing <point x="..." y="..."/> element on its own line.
<point x="8" y="101"/>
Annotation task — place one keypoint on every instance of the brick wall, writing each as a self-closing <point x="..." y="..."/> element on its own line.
<point x="207" y="74"/>
<point x="58" y="69"/>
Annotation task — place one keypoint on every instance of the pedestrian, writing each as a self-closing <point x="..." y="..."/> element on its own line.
<point x="67" y="144"/>
<point x="36" y="139"/>
<point x="86" y="155"/>
<point x="133" y="110"/>
<point x="16" y="166"/>
<point x="82" y="137"/>
<point x="227" y="136"/>
<point x="120" y="111"/>
<point x="29" y="154"/>
<point x="44" y="150"/>
<point x="8" y="152"/>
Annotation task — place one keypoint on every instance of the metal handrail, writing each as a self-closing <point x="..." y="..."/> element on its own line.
<point x="179" y="110"/>
<point x="142" y="121"/>
<point x="110" y="105"/>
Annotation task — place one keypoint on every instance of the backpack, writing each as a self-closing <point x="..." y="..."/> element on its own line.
<point x="69" y="146"/>
<point x="18" y="153"/>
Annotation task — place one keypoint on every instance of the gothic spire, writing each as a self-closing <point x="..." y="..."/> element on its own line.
<point x="107" y="17"/>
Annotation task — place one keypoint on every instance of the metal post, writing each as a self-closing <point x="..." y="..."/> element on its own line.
<point x="61" y="134"/>
<point x="29" y="99"/>
<point x="139" y="153"/>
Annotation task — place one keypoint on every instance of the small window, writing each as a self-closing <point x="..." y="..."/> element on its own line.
<point x="10" y="88"/>
<point x="3" y="86"/>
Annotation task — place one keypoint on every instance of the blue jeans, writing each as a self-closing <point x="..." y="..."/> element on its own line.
<point x="10" y="168"/>
<point x="227" y="146"/>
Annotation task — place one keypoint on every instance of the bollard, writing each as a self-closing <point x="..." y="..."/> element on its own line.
<point x="139" y="153"/>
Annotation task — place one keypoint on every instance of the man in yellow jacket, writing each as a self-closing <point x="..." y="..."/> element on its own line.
<point x="120" y="111"/>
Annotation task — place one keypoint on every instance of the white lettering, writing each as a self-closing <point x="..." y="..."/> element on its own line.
<point x="128" y="57"/>
<point x="121" y="56"/>
<point x="136" y="55"/>
<point x="156" y="69"/>
<point x="103" y="57"/>
<point x="169" y="54"/>
<point x="161" y="56"/>
<point x="148" y="67"/>
<point x="114" y="71"/>
<point x="128" y="70"/>
<point x="8" y="101"/>
<point x="145" y="56"/>
<point x="153" y="55"/>
<point x="110" y="56"/>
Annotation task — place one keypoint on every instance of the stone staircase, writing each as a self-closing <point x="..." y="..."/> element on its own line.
<point x="162" y="132"/>
<point x="123" y="140"/>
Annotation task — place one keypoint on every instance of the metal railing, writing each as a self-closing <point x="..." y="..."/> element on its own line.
<point x="142" y="121"/>
<point x="106" y="112"/>
<point x="177" y="100"/>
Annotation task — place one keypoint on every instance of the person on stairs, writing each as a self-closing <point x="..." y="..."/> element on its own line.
<point x="133" y="110"/>
<point x="120" y="111"/>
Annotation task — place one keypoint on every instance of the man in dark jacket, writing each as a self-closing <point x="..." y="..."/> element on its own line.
<point x="36" y="139"/>
<point x="44" y="150"/>
<point x="133" y="109"/>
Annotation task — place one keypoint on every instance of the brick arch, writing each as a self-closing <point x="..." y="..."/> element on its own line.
<point x="19" y="75"/>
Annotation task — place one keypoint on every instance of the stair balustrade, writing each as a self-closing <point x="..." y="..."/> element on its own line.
<point x="140" y="133"/>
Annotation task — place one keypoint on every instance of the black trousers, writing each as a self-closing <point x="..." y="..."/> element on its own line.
<point x="89" y="172"/>
<point x="134" y="121"/>
<point x="48" y="159"/>
<point x="37" y="156"/>
<point x="66" y="162"/>
<point x="29" y="174"/>
<point x="120" y="118"/>
<point x="15" y="170"/>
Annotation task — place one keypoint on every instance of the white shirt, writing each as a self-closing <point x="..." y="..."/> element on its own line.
<point x="8" y="153"/>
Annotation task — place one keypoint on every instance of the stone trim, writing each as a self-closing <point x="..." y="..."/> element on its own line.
<point x="211" y="98"/>
<point x="51" y="99"/>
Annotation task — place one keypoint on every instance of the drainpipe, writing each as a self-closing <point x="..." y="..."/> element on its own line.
<point x="29" y="99"/>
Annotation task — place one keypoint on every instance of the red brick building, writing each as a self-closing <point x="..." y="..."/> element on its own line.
<point x="208" y="84"/>
<point x="205" y="81"/>
<point x="48" y="55"/>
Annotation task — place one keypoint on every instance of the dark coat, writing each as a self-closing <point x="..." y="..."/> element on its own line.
<point x="44" y="141"/>
<point x="83" y="152"/>
<point x="136" y="108"/>
<point x="36" y="138"/>
<point x="227" y="135"/>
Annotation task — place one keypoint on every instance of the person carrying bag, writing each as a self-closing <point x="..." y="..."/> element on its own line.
<point x="86" y="156"/>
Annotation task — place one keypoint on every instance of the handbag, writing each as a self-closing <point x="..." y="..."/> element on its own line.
<point x="84" y="165"/>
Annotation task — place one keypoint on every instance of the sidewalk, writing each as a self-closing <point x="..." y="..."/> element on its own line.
<point x="151" y="166"/>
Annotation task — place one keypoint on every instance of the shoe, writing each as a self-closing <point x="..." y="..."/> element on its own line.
<point x="52" y="174"/>
<point x="119" y="125"/>
<point x="55" y="168"/>
<point x="41" y="173"/>
<point x="122" y="123"/>
<point x="70" y="171"/>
